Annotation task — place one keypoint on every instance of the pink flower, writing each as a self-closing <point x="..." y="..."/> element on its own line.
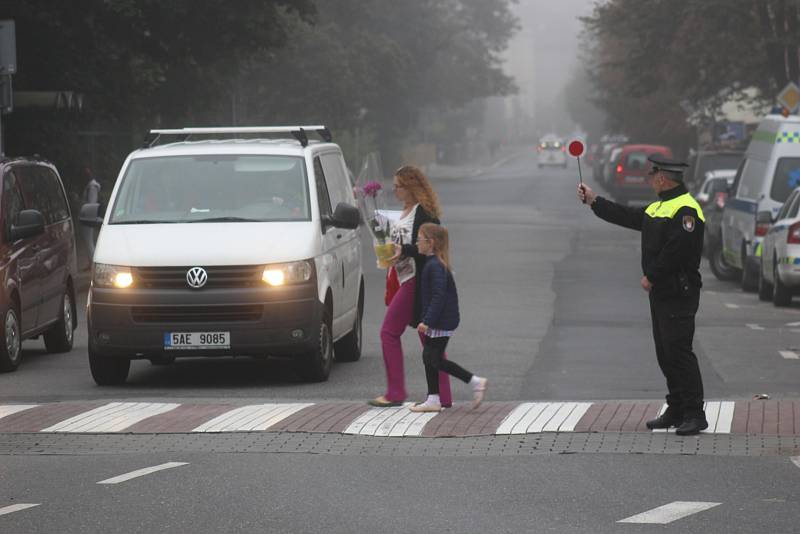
<point x="371" y="189"/>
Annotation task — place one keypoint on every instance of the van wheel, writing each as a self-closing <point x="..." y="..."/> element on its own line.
<point x="107" y="371"/>
<point x="10" y="340"/>
<point x="348" y="349"/>
<point x="764" y="287"/>
<point x="723" y="271"/>
<point x="749" y="275"/>
<point x="60" y="336"/>
<point x="782" y="295"/>
<point x="315" y="365"/>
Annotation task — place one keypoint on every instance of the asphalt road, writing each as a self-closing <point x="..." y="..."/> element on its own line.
<point x="551" y="309"/>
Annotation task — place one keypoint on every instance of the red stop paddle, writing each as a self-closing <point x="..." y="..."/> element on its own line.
<point x="576" y="149"/>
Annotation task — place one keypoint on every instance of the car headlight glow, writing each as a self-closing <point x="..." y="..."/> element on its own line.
<point x="109" y="276"/>
<point x="287" y="273"/>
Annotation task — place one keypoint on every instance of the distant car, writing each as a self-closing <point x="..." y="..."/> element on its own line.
<point x="707" y="160"/>
<point x="712" y="197"/>
<point x="608" y="167"/>
<point x="629" y="177"/>
<point x="780" y="254"/>
<point x="37" y="260"/>
<point x="716" y="181"/>
<point x="552" y="151"/>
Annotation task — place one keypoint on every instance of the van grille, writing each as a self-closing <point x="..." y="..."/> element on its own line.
<point x="234" y="276"/>
<point x="196" y="314"/>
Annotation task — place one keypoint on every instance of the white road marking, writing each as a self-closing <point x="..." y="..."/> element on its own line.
<point x="725" y="419"/>
<point x="789" y="355"/>
<point x="754" y="326"/>
<point x="548" y="413"/>
<point x="16" y="508"/>
<point x="532" y="417"/>
<point x="732" y="306"/>
<point x="10" y="409"/>
<point x="251" y="418"/>
<point x="719" y="415"/>
<point x="369" y="422"/>
<point x="670" y="512"/>
<point x="793" y="324"/>
<point x="569" y="423"/>
<point x="796" y="460"/>
<point x="112" y="417"/>
<point x="534" y="412"/>
<point x="142" y="472"/>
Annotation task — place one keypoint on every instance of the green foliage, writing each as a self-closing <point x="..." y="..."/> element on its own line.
<point x="653" y="62"/>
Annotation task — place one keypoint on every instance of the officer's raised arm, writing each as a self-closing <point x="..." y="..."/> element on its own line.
<point x="611" y="211"/>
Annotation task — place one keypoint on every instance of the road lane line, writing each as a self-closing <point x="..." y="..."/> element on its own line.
<point x="732" y="306"/>
<point x="577" y="414"/>
<point x="112" y="417"/>
<point x="16" y="508"/>
<point x="789" y="355"/>
<point x="670" y="512"/>
<point x="11" y="409"/>
<point x="796" y="460"/>
<point x="142" y="472"/>
<point x="752" y="326"/>
<point x="793" y="324"/>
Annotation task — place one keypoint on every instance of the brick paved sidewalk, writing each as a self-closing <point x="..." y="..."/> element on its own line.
<point x="755" y="417"/>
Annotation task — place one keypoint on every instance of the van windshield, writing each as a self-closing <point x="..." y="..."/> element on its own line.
<point x="213" y="188"/>
<point x="787" y="177"/>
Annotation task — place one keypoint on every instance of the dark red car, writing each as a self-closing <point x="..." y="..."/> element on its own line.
<point x="629" y="179"/>
<point x="37" y="259"/>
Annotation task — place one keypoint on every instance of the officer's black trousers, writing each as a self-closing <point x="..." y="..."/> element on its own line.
<point x="673" y="332"/>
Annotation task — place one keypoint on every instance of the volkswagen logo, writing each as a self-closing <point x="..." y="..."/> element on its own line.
<point x="196" y="277"/>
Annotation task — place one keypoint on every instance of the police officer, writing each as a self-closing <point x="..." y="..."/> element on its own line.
<point x="672" y="244"/>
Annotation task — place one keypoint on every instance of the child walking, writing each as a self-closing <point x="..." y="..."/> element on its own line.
<point x="440" y="318"/>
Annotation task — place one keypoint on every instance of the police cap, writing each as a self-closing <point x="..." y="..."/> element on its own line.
<point x="661" y="163"/>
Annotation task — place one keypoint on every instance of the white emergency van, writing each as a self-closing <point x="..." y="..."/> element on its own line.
<point x="227" y="246"/>
<point x="764" y="180"/>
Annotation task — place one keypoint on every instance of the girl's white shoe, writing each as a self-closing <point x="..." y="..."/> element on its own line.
<point x="478" y="391"/>
<point x="426" y="406"/>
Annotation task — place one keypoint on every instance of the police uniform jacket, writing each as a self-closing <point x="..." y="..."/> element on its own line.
<point x="672" y="239"/>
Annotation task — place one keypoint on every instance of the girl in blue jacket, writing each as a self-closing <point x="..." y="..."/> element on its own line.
<point x="440" y="317"/>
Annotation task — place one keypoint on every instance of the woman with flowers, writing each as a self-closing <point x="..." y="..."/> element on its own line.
<point x="420" y="206"/>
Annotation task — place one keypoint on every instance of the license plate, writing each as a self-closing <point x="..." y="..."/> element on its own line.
<point x="196" y="340"/>
<point x="634" y="179"/>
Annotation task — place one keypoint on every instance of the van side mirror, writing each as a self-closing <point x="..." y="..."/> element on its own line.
<point x="764" y="217"/>
<point x="344" y="216"/>
<point x="29" y="223"/>
<point x="91" y="216"/>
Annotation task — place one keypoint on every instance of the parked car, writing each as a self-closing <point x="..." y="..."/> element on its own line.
<point x="769" y="172"/>
<point x="37" y="260"/>
<point x="716" y="181"/>
<point x="780" y="254"/>
<point x="609" y="166"/>
<point x="227" y="247"/>
<point x="552" y="151"/>
<point x="712" y="197"/>
<point x="603" y="153"/>
<point x="707" y="160"/>
<point x="629" y="176"/>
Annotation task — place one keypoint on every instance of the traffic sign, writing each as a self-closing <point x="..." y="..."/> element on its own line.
<point x="576" y="148"/>
<point x="789" y="97"/>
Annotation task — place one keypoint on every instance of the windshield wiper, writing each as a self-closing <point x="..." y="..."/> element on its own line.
<point x="145" y="221"/>
<point x="222" y="219"/>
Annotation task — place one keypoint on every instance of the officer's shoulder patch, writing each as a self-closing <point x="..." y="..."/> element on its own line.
<point x="688" y="223"/>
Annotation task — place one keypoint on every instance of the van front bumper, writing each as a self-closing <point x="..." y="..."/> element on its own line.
<point x="267" y="321"/>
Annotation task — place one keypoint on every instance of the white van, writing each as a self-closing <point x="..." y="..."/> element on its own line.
<point x="763" y="181"/>
<point x="227" y="247"/>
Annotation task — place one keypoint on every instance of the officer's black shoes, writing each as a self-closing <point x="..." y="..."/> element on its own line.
<point x="665" y="420"/>
<point x="691" y="427"/>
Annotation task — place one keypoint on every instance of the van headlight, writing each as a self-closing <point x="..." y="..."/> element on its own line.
<point x="288" y="273"/>
<point x="112" y="276"/>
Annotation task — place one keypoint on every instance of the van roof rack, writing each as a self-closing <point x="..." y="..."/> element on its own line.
<point x="299" y="132"/>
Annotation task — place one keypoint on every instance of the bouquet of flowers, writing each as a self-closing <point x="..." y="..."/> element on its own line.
<point x="378" y="224"/>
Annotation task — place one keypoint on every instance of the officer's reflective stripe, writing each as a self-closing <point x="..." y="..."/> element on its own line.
<point x="667" y="209"/>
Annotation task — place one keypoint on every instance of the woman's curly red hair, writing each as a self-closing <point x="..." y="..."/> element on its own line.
<point x="417" y="184"/>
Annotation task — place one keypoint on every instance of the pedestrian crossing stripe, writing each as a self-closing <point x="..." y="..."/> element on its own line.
<point x="356" y="418"/>
<point x="788" y="137"/>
